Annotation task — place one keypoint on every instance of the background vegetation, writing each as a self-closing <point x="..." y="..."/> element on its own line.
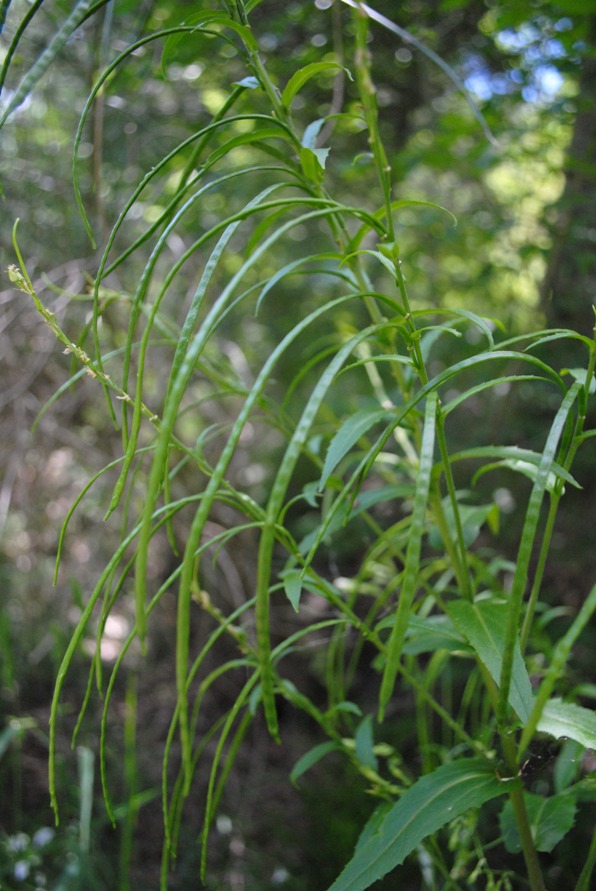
<point x="522" y="253"/>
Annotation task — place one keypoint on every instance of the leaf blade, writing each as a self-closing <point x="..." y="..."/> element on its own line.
<point x="434" y="800"/>
<point x="565" y="719"/>
<point x="484" y="624"/>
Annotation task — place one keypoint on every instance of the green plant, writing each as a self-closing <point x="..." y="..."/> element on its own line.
<point x="359" y="392"/>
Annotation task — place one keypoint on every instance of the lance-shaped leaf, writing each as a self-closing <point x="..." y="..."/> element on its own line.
<point x="564" y="719"/>
<point x="312" y="757"/>
<point x="78" y="15"/>
<point x="429" y="804"/>
<point x="297" y="81"/>
<point x="555" y="669"/>
<point x="526" y="545"/>
<point x="348" y="434"/>
<point x="484" y="624"/>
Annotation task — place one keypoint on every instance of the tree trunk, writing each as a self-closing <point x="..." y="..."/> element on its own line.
<point x="569" y="286"/>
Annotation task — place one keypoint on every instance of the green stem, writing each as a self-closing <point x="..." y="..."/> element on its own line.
<point x="542" y="558"/>
<point x="368" y="97"/>
<point x="460" y="563"/>
<point x="583" y="883"/>
<point x="518" y="803"/>
<point x="529" y="849"/>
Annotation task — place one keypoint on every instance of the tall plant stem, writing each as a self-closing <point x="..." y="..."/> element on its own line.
<point x="542" y="558"/>
<point x="518" y="803"/>
<point x="583" y="883"/>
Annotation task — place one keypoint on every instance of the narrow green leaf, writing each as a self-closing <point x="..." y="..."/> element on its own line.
<point x="484" y="624"/>
<point x="310" y="758"/>
<point x="293" y="583"/>
<point x="429" y="804"/>
<point x="517" y="459"/>
<point x="431" y="634"/>
<point x="16" y="38"/>
<point x="348" y="434"/>
<point x="565" y="720"/>
<point x="365" y="742"/>
<point x="568" y="765"/>
<point x="89" y="102"/>
<point x="82" y="10"/>
<point x="472" y="518"/>
<point x="487" y="385"/>
<point x="86" y="770"/>
<point x="528" y="536"/>
<point x="411" y="202"/>
<point x="410" y="577"/>
<point x="312" y="162"/>
<point x="297" y="81"/>
<point x="348" y="707"/>
<point x="550" y="821"/>
<point x="530" y="471"/>
<point x="556" y="667"/>
<point x="3" y="10"/>
<point x="274" y="506"/>
<point x="293" y="266"/>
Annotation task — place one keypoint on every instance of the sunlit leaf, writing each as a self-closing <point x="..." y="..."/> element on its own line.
<point x="567" y="720"/>
<point x="250" y="82"/>
<point x="300" y="77"/>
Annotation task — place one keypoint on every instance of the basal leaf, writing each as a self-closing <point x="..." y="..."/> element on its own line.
<point x="484" y="624"/>
<point x="429" y="804"/>
<point x="567" y="720"/>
